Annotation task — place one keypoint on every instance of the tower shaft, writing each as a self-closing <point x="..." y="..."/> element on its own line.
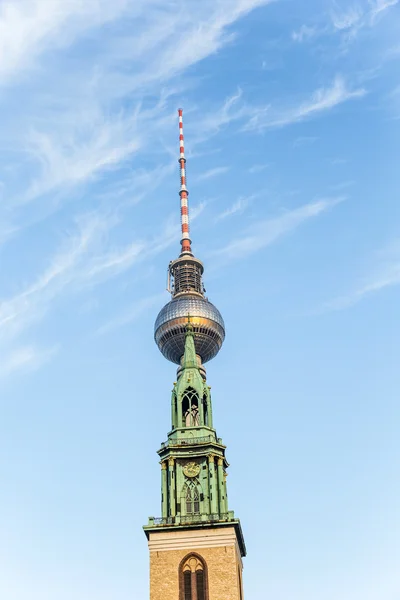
<point x="196" y="545"/>
<point x="185" y="239"/>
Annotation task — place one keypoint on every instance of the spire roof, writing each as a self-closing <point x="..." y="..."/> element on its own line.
<point x="189" y="356"/>
<point x="189" y="375"/>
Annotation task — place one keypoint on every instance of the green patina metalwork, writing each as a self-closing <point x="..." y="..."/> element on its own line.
<point x="191" y="399"/>
<point x="192" y="440"/>
<point x="193" y="463"/>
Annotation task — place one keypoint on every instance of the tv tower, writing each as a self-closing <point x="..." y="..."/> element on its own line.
<point x="196" y="546"/>
<point x="185" y="283"/>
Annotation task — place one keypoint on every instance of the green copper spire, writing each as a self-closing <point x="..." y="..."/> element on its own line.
<point x="189" y="357"/>
<point x="191" y="391"/>
<point x="193" y="463"/>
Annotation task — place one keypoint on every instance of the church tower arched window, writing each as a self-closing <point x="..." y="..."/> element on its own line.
<point x="190" y="408"/>
<point x="193" y="578"/>
<point x="191" y="497"/>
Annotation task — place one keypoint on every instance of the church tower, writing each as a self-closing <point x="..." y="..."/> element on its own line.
<point x="196" y="546"/>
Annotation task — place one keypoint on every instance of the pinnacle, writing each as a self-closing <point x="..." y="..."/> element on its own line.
<point x="189" y="357"/>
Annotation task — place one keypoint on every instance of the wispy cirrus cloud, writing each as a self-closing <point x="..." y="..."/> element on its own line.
<point x="345" y="19"/>
<point x="198" y="209"/>
<point x="390" y="277"/>
<point x="211" y="173"/>
<point x="322" y="100"/>
<point x="133" y="313"/>
<point x="21" y="310"/>
<point x="378" y="7"/>
<point x="259" y="168"/>
<point x="73" y="129"/>
<point x="268" y="231"/>
<point x="29" y="28"/>
<point x="90" y="148"/>
<point x="236" y="208"/>
<point x="385" y="275"/>
<point x="84" y="260"/>
<point x="350" y="19"/>
<point x="231" y="110"/>
<point x="338" y="160"/>
<point x="304" y="33"/>
<point x="112" y="263"/>
<point x="29" y="306"/>
<point x="24" y="358"/>
<point x="343" y="185"/>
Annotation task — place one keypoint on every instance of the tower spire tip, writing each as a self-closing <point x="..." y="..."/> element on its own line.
<point x="183" y="192"/>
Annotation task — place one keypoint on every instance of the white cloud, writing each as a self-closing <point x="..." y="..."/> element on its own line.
<point x="322" y="100"/>
<point x="380" y="6"/>
<point x="112" y="263"/>
<point x="237" y="207"/>
<point x="343" y="185"/>
<point x="197" y="210"/>
<point x="30" y="27"/>
<point x="304" y="33"/>
<point x="72" y="128"/>
<point x="231" y="110"/>
<point x="213" y="173"/>
<point x="205" y="34"/>
<point x="347" y="18"/>
<point x="25" y="358"/>
<point x="385" y="275"/>
<point x="132" y="314"/>
<point x="267" y="232"/>
<point x="388" y="278"/>
<point x="81" y="263"/>
<point x="71" y="159"/>
<point x="259" y="168"/>
<point x="21" y="310"/>
<point x="350" y="20"/>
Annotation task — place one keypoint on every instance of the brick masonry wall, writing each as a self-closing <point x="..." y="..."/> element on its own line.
<point x="222" y="565"/>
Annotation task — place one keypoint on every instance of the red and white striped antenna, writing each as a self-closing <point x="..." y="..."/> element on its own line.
<point x="185" y="239"/>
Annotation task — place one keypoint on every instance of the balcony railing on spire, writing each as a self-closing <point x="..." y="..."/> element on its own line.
<point x="207" y="439"/>
<point x="191" y="519"/>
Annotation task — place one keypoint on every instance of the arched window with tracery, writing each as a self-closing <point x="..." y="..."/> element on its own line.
<point x="190" y="408"/>
<point x="191" y="497"/>
<point x="193" y="578"/>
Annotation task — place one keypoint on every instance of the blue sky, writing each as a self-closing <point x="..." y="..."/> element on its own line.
<point x="291" y="112"/>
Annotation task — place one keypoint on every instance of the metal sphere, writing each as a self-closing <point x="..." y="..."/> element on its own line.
<point x="170" y="327"/>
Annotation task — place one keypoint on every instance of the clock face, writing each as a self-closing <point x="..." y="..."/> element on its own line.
<point x="191" y="469"/>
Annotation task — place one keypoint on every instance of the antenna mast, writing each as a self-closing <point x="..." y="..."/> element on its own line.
<point x="185" y="239"/>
